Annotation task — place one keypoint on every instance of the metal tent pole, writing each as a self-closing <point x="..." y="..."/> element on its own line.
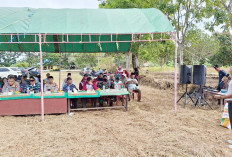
<point x="128" y="58"/>
<point x="60" y="71"/>
<point x="176" y="46"/>
<point x="41" y="77"/>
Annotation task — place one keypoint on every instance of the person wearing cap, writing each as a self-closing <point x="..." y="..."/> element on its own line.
<point x="100" y="77"/>
<point x="69" y="86"/>
<point x="132" y="85"/>
<point x="33" y="86"/>
<point x="65" y="80"/>
<point x="221" y="73"/>
<point x="51" y="85"/>
<point x="46" y="80"/>
<point x="11" y="85"/>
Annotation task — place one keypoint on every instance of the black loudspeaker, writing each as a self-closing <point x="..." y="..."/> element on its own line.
<point x="199" y="74"/>
<point x="185" y="74"/>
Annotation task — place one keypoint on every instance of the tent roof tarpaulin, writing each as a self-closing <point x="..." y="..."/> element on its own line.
<point x="77" y="25"/>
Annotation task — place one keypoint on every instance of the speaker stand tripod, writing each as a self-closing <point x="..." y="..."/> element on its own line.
<point x="199" y="99"/>
<point x="185" y="95"/>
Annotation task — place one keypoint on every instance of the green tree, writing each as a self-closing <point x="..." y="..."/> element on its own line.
<point x="200" y="47"/>
<point x="21" y="64"/>
<point x="221" y="11"/>
<point x="8" y="58"/>
<point x="184" y="14"/>
<point x="157" y="52"/>
<point x="223" y="56"/>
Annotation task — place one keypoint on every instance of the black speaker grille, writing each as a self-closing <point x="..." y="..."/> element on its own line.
<point x="199" y="74"/>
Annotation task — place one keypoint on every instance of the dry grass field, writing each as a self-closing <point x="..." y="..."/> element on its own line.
<point x="150" y="128"/>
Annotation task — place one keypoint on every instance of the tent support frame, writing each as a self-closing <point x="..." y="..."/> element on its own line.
<point x="40" y="42"/>
<point x="41" y="77"/>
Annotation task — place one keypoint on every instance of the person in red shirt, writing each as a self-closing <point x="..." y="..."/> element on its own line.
<point x="81" y="84"/>
<point x="89" y="85"/>
<point x="122" y="71"/>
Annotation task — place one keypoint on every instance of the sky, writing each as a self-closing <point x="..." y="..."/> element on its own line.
<point x="50" y="3"/>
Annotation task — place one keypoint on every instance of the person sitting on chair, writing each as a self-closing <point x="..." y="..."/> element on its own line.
<point x="89" y="85"/>
<point x="84" y="79"/>
<point x="117" y="81"/>
<point x="105" y="85"/>
<point x="47" y="77"/>
<point x="33" y="85"/>
<point x="65" y="80"/>
<point x="69" y="86"/>
<point x="227" y="96"/>
<point x="11" y="85"/>
<point x="50" y="85"/>
<point x="132" y="85"/>
<point x="100" y="77"/>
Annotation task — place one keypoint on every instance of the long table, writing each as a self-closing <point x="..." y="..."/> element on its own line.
<point x="55" y="103"/>
<point x="30" y="104"/>
<point x="213" y="93"/>
<point x="98" y="94"/>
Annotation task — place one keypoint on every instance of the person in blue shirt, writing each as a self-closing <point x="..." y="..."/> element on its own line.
<point x="69" y="86"/>
<point x="100" y="77"/>
<point x="33" y="86"/>
<point x="221" y="73"/>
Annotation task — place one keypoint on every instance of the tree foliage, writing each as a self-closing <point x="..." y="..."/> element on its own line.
<point x="8" y="58"/>
<point x="200" y="47"/>
<point x="223" y="56"/>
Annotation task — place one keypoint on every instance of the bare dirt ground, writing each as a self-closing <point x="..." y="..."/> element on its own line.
<point x="149" y="128"/>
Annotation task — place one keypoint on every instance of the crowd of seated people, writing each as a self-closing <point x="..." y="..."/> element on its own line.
<point x="105" y="80"/>
<point x="20" y="84"/>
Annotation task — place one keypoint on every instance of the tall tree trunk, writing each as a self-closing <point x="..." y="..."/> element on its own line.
<point x="180" y="54"/>
<point x="135" y="59"/>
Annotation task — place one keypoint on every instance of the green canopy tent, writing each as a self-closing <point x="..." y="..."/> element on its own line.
<point x="80" y="31"/>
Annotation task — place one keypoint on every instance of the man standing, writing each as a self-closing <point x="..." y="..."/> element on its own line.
<point x="50" y="85"/>
<point x="132" y="85"/>
<point x="227" y="96"/>
<point x="222" y="73"/>
<point x="11" y="85"/>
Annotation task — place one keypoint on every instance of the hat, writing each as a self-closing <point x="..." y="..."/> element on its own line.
<point x="32" y="79"/>
<point x="119" y="67"/>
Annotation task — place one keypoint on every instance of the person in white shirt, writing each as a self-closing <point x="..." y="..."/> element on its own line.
<point x="132" y="85"/>
<point x="227" y="96"/>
